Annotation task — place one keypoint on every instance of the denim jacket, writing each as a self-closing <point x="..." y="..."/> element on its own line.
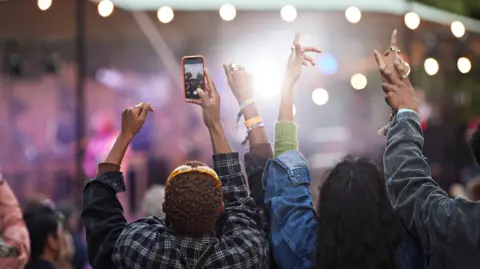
<point x="293" y="222"/>
<point x="448" y="229"/>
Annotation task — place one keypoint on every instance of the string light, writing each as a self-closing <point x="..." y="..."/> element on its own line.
<point x="353" y="14"/>
<point x="165" y="14"/>
<point x="320" y="96"/>
<point x="43" y="5"/>
<point x="464" y="65"/>
<point x="358" y="81"/>
<point x="288" y="13"/>
<point x="412" y="20"/>
<point x="458" y="29"/>
<point x="431" y="66"/>
<point x="227" y="12"/>
<point x="105" y="8"/>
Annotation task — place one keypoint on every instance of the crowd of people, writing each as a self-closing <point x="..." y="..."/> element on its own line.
<point x="365" y="217"/>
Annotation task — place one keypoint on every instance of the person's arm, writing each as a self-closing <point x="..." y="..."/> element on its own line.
<point x="292" y="216"/>
<point x="102" y="211"/>
<point x="15" y="247"/>
<point x="443" y="225"/>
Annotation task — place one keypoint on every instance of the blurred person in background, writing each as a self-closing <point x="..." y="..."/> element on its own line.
<point x="73" y="228"/>
<point x="152" y="201"/>
<point x="14" y="238"/>
<point x="45" y="226"/>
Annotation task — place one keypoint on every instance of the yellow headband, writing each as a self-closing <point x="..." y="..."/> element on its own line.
<point x="183" y="169"/>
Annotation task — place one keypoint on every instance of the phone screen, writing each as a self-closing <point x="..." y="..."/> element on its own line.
<point x="194" y="77"/>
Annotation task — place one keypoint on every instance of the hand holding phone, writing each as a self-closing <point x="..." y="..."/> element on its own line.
<point x="193" y="76"/>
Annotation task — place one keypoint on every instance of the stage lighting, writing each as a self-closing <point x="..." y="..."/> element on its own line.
<point x="358" y="81"/>
<point x="288" y="13"/>
<point x="412" y="20"/>
<point x="165" y="14"/>
<point x="464" y="65"/>
<point x="353" y="14"/>
<point x="227" y="12"/>
<point x="327" y="64"/>
<point x="458" y="29"/>
<point x="320" y="96"/>
<point x="431" y="66"/>
<point x="44" y="4"/>
<point x="105" y="8"/>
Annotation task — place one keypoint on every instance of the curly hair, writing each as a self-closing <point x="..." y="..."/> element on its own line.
<point x="193" y="202"/>
<point x="357" y="226"/>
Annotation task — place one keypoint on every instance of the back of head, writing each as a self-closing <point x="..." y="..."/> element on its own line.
<point x="152" y="201"/>
<point x="357" y="225"/>
<point x="193" y="200"/>
<point x="42" y="221"/>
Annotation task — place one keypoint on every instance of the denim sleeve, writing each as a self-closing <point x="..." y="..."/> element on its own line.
<point x="292" y="217"/>
<point x="447" y="228"/>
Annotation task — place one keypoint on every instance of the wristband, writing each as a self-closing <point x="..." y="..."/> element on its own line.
<point x="243" y="105"/>
<point x="252" y="121"/>
<point x="249" y="129"/>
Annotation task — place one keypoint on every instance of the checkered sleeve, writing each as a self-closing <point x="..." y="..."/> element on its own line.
<point x="244" y="240"/>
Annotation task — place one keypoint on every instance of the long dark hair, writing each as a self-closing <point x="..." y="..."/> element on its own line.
<point x="357" y="226"/>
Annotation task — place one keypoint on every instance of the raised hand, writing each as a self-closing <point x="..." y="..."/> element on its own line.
<point x="133" y="119"/>
<point x="240" y="82"/>
<point x="392" y="55"/>
<point x="397" y="87"/>
<point x="210" y="103"/>
<point x="298" y="59"/>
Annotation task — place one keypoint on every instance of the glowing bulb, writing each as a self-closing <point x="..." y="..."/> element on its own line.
<point x="320" y="96"/>
<point x="227" y="12"/>
<point x="431" y="66"/>
<point x="412" y="20"/>
<point x="44" y="4"/>
<point x="353" y="14"/>
<point x="165" y="14"/>
<point x="105" y="8"/>
<point x="358" y="81"/>
<point x="464" y="65"/>
<point x="458" y="29"/>
<point x="288" y="13"/>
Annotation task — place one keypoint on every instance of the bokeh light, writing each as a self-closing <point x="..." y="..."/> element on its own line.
<point x="320" y="96"/>
<point x="288" y="13"/>
<point x="464" y="65"/>
<point x="105" y="8"/>
<point x="353" y="14"/>
<point x="44" y="4"/>
<point x="227" y="12"/>
<point x="458" y="29"/>
<point x="412" y="20"/>
<point x="165" y="14"/>
<point x="431" y="66"/>
<point x="358" y="81"/>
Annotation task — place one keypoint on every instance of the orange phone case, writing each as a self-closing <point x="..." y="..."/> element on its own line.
<point x="183" y="72"/>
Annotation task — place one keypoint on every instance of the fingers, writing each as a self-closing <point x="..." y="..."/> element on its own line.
<point x="307" y="60"/>
<point x="390" y="75"/>
<point x="204" y="96"/>
<point x="194" y="101"/>
<point x="298" y="46"/>
<point x="211" y="86"/>
<point x="393" y="38"/>
<point x="145" y="109"/>
<point x="379" y="59"/>
<point x="389" y="88"/>
<point x="228" y="72"/>
<point x="311" y="49"/>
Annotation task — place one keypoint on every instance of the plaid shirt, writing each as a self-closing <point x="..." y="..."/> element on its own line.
<point x="150" y="243"/>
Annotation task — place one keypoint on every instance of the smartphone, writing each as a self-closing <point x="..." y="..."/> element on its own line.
<point x="193" y="75"/>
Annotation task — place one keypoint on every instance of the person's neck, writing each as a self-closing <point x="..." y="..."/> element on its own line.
<point x="48" y="256"/>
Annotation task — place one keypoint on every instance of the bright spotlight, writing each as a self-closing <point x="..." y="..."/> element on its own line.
<point x="165" y="14"/>
<point x="44" y="4"/>
<point x="288" y="13"/>
<point x="266" y="81"/>
<point x="105" y="8"/>
<point x="458" y="29"/>
<point x="353" y="14"/>
<point x="358" y="81"/>
<point x="320" y="96"/>
<point x="227" y="12"/>
<point x="412" y="20"/>
<point x="431" y="66"/>
<point x="464" y="65"/>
